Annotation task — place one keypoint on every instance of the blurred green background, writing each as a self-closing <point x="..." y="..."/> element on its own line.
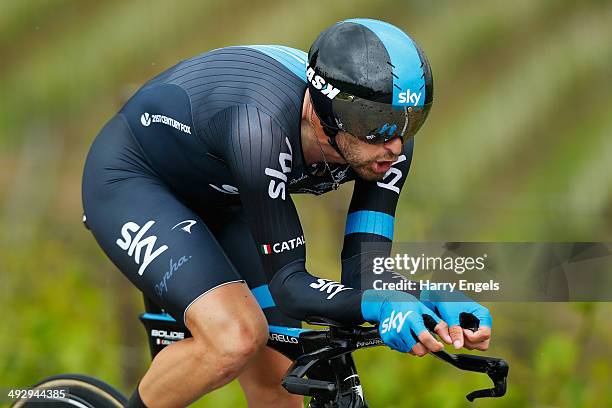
<point x="517" y="147"/>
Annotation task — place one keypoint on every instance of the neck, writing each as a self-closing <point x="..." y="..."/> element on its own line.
<point x="313" y="138"/>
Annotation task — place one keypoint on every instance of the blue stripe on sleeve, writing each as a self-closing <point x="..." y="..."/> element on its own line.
<point x="371" y="222"/>
<point x="263" y="296"/>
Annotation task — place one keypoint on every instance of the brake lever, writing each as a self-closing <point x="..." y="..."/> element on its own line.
<point x="496" y="368"/>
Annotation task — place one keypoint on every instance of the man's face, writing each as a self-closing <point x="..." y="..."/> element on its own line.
<point x="370" y="161"/>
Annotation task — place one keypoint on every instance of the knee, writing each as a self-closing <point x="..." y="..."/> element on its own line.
<point x="229" y="346"/>
<point x="228" y="328"/>
<point x="241" y="340"/>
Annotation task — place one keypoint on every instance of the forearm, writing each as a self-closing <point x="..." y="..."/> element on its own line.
<point x="301" y="295"/>
<point x="358" y="272"/>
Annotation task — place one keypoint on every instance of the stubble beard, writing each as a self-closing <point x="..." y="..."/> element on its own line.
<point x="360" y="164"/>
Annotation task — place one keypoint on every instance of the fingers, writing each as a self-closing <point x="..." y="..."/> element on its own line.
<point x="482" y="346"/>
<point x="441" y="330"/>
<point x="456" y="335"/>
<point x="430" y="343"/>
<point x="419" y="350"/>
<point x="483" y="333"/>
<point x="478" y="340"/>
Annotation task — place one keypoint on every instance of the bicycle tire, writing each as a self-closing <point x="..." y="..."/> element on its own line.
<point x="83" y="392"/>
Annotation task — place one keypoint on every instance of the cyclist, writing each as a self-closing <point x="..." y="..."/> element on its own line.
<point x="188" y="191"/>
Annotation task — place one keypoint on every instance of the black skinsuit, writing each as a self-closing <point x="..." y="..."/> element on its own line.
<point x="189" y="187"/>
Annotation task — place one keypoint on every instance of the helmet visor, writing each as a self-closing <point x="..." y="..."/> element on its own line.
<point x="376" y="122"/>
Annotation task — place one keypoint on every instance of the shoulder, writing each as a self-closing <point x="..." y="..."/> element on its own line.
<point x="164" y="104"/>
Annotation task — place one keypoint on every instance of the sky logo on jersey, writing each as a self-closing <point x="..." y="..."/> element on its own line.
<point x="394" y="175"/>
<point x="281" y="247"/>
<point x="328" y="286"/>
<point x="276" y="187"/>
<point x="146" y="119"/>
<point x="409" y="97"/>
<point x="135" y="245"/>
<point x="319" y="82"/>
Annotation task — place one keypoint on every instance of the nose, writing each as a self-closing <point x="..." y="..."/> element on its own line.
<point x="394" y="146"/>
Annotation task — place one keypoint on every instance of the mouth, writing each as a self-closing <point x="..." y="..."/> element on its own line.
<point x="382" y="166"/>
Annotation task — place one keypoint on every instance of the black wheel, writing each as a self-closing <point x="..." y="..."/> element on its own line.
<point x="81" y="392"/>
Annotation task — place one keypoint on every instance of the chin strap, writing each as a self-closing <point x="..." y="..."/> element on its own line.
<point x="330" y="132"/>
<point x="332" y="142"/>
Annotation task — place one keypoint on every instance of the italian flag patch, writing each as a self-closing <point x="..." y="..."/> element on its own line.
<point x="265" y="249"/>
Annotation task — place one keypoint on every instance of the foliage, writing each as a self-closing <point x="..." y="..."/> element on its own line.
<point x="517" y="147"/>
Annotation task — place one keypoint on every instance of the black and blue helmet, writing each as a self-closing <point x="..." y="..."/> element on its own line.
<point x="370" y="79"/>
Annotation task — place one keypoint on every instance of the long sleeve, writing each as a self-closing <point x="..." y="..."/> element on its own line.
<point x="370" y="221"/>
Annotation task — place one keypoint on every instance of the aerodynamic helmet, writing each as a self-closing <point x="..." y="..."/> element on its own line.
<point x="370" y="79"/>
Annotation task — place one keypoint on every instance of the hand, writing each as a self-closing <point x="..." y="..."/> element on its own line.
<point x="450" y="306"/>
<point x="400" y="315"/>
